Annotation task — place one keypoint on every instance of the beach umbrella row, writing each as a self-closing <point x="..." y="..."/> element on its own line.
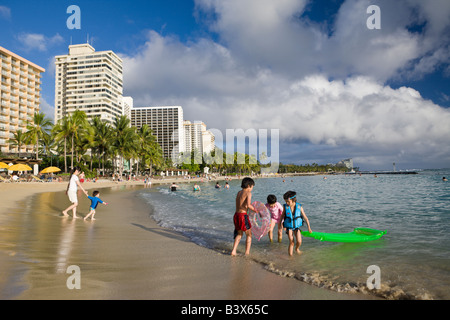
<point x="24" y="167"/>
<point x="15" y="167"/>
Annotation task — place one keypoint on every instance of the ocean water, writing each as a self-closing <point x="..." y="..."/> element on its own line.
<point x="413" y="257"/>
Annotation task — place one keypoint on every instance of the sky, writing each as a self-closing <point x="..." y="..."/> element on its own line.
<point x="312" y="69"/>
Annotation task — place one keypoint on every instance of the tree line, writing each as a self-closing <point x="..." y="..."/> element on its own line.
<point x="92" y="145"/>
<point x="99" y="147"/>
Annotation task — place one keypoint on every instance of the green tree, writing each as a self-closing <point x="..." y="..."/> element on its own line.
<point x="125" y="140"/>
<point x="36" y="129"/>
<point x="61" y="132"/>
<point x="18" y="140"/>
<point x="103" y="134"/>
<point x="145" y="141"/>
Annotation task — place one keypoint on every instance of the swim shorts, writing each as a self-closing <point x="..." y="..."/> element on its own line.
<point x="241" y="222"/>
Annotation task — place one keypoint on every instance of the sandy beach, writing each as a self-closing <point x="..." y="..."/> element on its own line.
<point x="122" y="255"/>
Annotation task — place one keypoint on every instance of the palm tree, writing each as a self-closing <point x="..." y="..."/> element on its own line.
<point x="62" y="130"/>
<point x="145" y="141"/>
<point x="18" y="141"/>
<point x="36" y="129"/>
<point x="124" y="141"/>
<point x="48" y="143"/>
<point x="77" y="125"/>
<point x="102" y="137"/>
<point x="154" y="156"/>
<point x="87" y="142"/>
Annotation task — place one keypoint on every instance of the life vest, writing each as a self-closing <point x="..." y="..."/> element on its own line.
<point x="295" y="220"/>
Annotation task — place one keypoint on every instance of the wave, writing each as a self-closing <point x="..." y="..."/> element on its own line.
<point x="387" y="291"/>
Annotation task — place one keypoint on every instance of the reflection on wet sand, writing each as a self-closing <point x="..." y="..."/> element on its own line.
<point x="65" y="244"/>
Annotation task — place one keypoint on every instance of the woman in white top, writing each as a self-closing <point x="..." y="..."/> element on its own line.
<point x="71" y="191"/>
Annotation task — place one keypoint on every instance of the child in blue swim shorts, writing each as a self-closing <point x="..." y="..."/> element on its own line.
<point x="95" y="200"/>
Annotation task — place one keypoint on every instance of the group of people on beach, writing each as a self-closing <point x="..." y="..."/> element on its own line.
<point x="289" y="216"/>
<point x="71" y="191"/>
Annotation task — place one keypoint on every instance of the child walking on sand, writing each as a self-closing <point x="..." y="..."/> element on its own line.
<point x="95" y="200"/>
<point x="293" y="217"/>
<point x="241" y="220"/>
<point x="276" y="210"/>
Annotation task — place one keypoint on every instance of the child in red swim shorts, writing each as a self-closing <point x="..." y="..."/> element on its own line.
<point x="241" y="221"/>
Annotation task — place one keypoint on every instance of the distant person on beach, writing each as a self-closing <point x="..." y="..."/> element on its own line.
<point x="95" y="200"/>
<point x="173" y="187"/>
<point x="276" y="211"/>
<point x="444" y="179"/>
<point x="217" y="185"/>
<point x="241" y="220"/>
<point x="71" y="191"/>
<point x="196" y="187"/>
<point x="148" y="183"/>
<point x="227" y="186"/>
<point x="293" y="217"/>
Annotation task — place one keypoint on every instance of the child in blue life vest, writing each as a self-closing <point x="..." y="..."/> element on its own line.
<point x="293" y="217"/>
<point x="95" y="200"/>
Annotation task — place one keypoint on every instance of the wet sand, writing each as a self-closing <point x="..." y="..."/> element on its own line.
<point x="122" y="255"/>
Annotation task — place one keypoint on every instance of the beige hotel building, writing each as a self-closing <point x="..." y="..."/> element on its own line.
<point x="89" y="81"/>
<point x="20" y="94"/>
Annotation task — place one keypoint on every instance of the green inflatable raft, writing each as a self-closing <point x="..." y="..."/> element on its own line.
<point x="357" y="235"/>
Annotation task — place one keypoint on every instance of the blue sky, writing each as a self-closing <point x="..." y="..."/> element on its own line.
<point x="311" y="69"/>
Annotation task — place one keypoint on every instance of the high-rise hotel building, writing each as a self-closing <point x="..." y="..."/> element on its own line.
<point x="89" y="81"/>
<point x="166" y="124"/>
<point x="197" y="138"/>
<point x="20" y="94"/>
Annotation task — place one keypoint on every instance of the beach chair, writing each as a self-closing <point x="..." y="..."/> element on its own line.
<point x="5" y="180"/>
<point x="34" y="178"/>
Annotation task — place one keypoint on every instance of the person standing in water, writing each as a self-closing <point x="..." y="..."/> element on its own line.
<point x="173" y="187"/>
<point x="71" y="192"/>
<point x="241" y="221"/>
<point x="293" y="217"/>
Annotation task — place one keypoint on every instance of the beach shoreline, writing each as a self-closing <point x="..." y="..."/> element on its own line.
<point x="124" y="254"/>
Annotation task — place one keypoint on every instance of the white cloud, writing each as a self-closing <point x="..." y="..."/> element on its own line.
<point x="46" y="108"/>
<point x="40" y="42"/>
<point x="5" y="12"/>
<point x="271" y="69"/>
<point x="274" y="34"/>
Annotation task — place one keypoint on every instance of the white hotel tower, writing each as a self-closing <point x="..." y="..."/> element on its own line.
<point x="166" y="122"/>
<point x="89" y="81"/>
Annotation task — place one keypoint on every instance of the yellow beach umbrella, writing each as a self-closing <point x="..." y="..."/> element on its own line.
<point x="50" y="169"/>
<point x="3" y="165"/>
<point x="19" y="167"/>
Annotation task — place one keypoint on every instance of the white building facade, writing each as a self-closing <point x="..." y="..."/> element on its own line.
<point x="166" y="122"/>
<point x="89" y="81"/>
<point x="197" y="137"/>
